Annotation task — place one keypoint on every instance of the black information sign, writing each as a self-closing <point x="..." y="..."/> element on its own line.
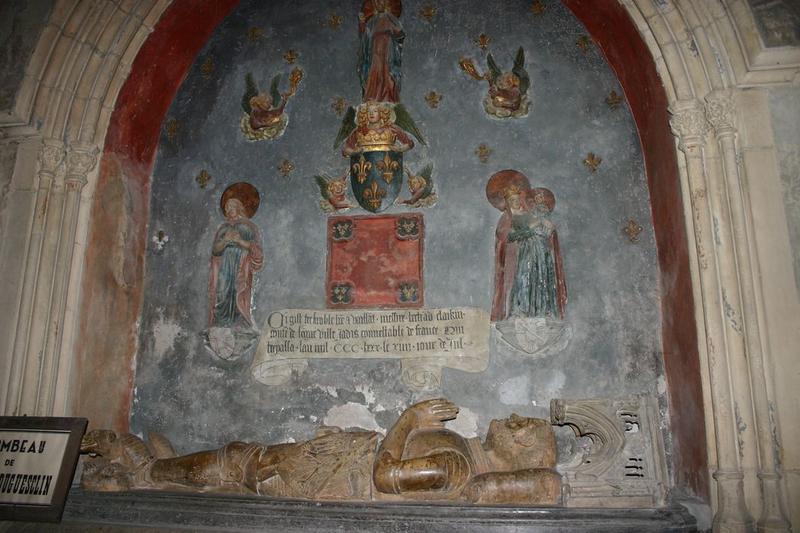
<point x="38" y="456"/>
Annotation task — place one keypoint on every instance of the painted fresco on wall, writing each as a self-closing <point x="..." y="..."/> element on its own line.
<point x="530" y="290"/>
<point x="236" y="255"/>
<point x="507" y="96"/>
<point x="295" y="347"/>
<point x="265" y="113"/>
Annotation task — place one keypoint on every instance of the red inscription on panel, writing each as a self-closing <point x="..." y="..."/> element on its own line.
<point x="375" y="261"/>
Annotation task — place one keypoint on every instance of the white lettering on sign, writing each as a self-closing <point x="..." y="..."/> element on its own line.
<point x="30" y="461"/>
<point x="425" y="340"/>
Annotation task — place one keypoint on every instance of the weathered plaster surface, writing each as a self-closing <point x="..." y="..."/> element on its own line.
<point x="778" y="21"/>
<point x="21" y="22"/>
<point x="785" y="109"/>
<point x="197" y="399"/>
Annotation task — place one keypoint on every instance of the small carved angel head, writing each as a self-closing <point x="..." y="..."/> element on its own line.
<point x="416" y="183"/>
<point x="507" y="81"/>
<point x="374" y="115"/>
<point x="337" y="187"/>
<point x="262" y="102"/>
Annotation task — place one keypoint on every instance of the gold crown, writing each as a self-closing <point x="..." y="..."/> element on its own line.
<point x="374" y="140"/>
<point x="513" y="190"/>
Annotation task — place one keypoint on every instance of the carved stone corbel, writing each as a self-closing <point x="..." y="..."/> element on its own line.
<point x="623" y="464"/>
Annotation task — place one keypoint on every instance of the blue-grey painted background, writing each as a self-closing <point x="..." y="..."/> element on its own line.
<point x="197" y="400"/>
<point x="21" y="24"/>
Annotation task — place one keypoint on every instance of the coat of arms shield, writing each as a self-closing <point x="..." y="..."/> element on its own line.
<point x="376" y="178"/>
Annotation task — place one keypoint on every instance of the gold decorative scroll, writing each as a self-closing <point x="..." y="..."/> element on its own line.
<point x="425" y="340"/>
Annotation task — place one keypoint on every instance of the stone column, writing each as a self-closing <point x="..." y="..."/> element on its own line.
<point x="689" y="124"/>
<point x="80" y="161"/>
<point x="40" y="322"/>
<point x="720" y="111"/>
<point x="51" y="158"/>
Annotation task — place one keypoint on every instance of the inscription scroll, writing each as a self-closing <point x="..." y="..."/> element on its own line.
<point x="425" y="340"/>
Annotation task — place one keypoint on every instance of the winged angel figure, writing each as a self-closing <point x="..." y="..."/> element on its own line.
<point x="264" y="112"/>
<point x="421" y="188"/>
<point x="379" y="126"/>
<point x="508" y="91"/>
<point x="333" y="192"/>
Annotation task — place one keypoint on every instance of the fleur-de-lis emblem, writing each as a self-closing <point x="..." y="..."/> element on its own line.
<point x="407" y="228"/>
<point x="433" y="98"/>
<point x="632" y="230"/>
<point x="483" y="41"/>
<point x="341" y="293"/>
<point x="339" y="105"/>
<point x="428" y="12"/>
<point x="342" y="230"/>
<point x="613" y="100"/>
<point x="203" y="178"/>
<point x="160" y="239"/>
<point x="408" y="292"/>
<point x="373" y="195"/>
<point x="362" y="168"/>
<point x="286" y="167"/>
<point x="584" y="43"/>
<point x="172" y="127"/>
<point x="290" y="56"/>
<point x="483" y="152"/>
<point x="334" y="21"/>
<point x="387" y="168"/>
<point x="592" y="161"/>
<point x="207" y="68"/>
<point x="255" y="34"/>
<point x="538" y="7"/>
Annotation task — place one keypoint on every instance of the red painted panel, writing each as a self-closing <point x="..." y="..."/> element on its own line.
<point x="620" y="42"/>
<point x="377" y="258"/>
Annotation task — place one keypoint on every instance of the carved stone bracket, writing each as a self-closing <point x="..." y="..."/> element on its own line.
<point x="624" y="464"/>
<point x="588" y="418"/>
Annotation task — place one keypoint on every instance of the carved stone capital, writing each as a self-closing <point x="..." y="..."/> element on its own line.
<point x="51" y="156"/>
<point x="80" y="161"/>
<point x="721" y="111"/>
<point x="688" y="123"/>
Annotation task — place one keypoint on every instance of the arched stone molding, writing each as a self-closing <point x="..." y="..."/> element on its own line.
<point x="704" y="52"/>
<point x="78" y="67"/>
<point x="703" y="65"/>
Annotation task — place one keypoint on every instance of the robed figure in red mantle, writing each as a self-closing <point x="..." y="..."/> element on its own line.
<point x="381" y="50"/>
<point x="529" y="276"/>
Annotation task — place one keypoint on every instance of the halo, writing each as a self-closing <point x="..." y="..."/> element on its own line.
<point x="245" y="193"/>
<point x="500" y="181"/>
<point x="395" y="8"/>
<point x="549" y="197"/>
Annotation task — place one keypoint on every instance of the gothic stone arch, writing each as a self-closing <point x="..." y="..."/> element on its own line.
<point x="100" y="81"/>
